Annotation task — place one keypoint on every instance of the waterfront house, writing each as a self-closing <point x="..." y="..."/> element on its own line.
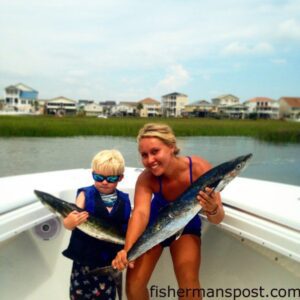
<point x="263" y="107"/>
<point x="173" y="104"/>
<point x="149" y="107"/>
<point x="21" y="98"/>
<point x="41" y="106"/>
<point x="125" y="108"/>
<point x="61" y="106"/>
<point x="108" y="106"/>
<point x="224" y="100"/>
<point x="82" y="103"/>
<point x="235" y="111"/>
<point x="289" y="108"/>
<point x="92" y="109"/>
<point x="200" y="108"/>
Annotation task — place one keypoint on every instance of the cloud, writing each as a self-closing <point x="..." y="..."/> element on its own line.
<point x="176" y="78"/>
<point x="238" y="48"/>
<point x="289" y="29"/>
<point x="129" y="44"/>
<point x="279" y="61"/>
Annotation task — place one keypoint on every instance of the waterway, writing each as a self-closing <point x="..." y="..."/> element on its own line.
<point x="273" y="162"/>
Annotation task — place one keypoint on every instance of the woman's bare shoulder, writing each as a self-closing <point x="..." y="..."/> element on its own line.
<point x="148" y="180"/>
<point x="146" y="177"/>
<point x="201" y="164"/>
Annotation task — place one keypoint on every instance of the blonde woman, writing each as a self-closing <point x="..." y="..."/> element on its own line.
<point x="166" y="176"/>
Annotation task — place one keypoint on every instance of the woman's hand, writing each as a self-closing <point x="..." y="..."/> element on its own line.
<point x="208" y="200"/>
<point x="75" y="218"/>
<point x="120" y="262"/>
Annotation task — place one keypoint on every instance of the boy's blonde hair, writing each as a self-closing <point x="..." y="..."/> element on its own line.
<point x="109" y="162"/>
<point x="160" y="131"/>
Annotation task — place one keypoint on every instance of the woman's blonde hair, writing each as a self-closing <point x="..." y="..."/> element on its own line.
<point x="160" y="131"/>
<point x="109" y="162"/>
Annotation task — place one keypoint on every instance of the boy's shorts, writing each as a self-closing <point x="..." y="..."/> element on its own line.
<point x="84" y="286"/>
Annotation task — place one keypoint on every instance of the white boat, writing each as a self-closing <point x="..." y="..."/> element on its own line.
<point x="256" y="249"/>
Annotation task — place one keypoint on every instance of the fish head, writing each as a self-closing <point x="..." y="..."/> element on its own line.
<point x="227" y="171"/>
<point x="56" y="205"/>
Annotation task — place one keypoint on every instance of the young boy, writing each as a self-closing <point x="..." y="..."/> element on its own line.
<point x="102" y="200"/>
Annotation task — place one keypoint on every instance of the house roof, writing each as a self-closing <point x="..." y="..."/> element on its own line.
<point x="224" y="96"/>
<point x="175" y="94"/>
<point x="22" y="87"/>
<point x="200" y="102"/>
<point x="128" y="103"/>
<point x="85" y="101"/>
<point x="149" y="101"/>
<point x="260" y="99"/>
<point x="291" y="101"/>
<point x="108" y="102"/>
<point x="61" y="98"/>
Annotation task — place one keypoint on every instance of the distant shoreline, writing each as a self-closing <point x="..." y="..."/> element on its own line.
<point x="46" y="126"/>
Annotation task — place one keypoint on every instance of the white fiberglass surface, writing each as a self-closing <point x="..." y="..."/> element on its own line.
<point x="34" y="269"/>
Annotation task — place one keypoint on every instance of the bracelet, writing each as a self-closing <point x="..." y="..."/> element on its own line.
<point x="212" y="213"/>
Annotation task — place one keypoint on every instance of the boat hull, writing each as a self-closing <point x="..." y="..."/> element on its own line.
<point x="256" y="246"/>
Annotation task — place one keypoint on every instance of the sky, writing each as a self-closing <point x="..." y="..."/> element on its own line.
<point x="127" y="50"/>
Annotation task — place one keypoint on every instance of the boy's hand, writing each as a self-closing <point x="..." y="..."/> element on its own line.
<point x="75" y="218"/>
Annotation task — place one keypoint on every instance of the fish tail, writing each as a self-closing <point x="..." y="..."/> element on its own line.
<point x="114" y="274"/>
<point x="118" y="279"/>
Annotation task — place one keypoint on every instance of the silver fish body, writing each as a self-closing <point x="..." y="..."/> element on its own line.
<point x="173" y="217"/>
<point x="95" y="227"/>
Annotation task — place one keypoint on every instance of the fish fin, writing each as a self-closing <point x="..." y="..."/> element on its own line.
<point x="178" y="234"/>
<point x="115" y="275"/>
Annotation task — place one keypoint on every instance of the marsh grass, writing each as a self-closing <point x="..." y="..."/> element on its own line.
<point x="45" y="126"/>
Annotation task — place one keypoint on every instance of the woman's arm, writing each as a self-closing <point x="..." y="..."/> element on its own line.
<point x="76" y="218"/>
<point x="209" y="200"/>
<point x="138" y="220"/>
<point x="140" y="213"/>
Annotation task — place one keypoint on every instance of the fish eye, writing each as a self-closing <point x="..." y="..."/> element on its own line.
<point x="238" y="166"/>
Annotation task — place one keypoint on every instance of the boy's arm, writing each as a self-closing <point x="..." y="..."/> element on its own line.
<point x="76" y="218"/>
